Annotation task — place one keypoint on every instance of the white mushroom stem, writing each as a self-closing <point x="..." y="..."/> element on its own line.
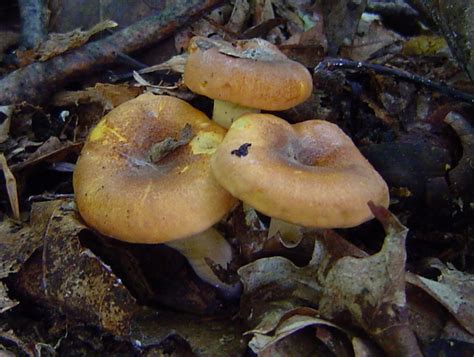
<point x="224" y="113"/>
<point x="210" y="244"/>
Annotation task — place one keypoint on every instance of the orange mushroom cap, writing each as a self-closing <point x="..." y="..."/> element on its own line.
<point x="120" y="193"/>
<point x="309" y="173"/>
<point x="251" y="73"/>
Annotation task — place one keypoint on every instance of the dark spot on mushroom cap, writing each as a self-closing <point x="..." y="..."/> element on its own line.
<point x="242" y="150"/>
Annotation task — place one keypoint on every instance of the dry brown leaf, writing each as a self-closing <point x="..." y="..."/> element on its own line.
<point x="5" y="124"/>
<point x="52" y="150"/>
<point x="301" y="343"/>
<point x="239" y="17"/>
<point x="174" y="64"/>
<point x="454" y="290"/>
<point x="341" y="18"/>
<point x="206" y="337"/>
<point x="285" y="276"/>
<point x="108" y="95"/>
<point x="11" y="187"/>
<point x="17" y="244"/>
<point x="371" y="39"/>
<point x="286" y="325"/>
<point x="58" y="43"/>
<point x="72" y="278"/>
<point x="88" y="286"/>
<point x="5" y="302"/>
<point x="372" y="291"/>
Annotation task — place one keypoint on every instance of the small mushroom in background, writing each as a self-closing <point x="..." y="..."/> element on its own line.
<point x="244" y="77"/>
<point x="144" y="177"/>
<point x="310" y="173"/>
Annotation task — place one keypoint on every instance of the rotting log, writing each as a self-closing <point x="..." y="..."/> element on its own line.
<point x="36" y="82"/>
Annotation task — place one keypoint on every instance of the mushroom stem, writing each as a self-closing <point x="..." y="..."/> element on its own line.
<point x="225" y="113"/>
<point x="210" y="244"/>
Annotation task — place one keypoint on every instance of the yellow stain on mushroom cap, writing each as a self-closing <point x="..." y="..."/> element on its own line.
<point x="100" y="131"/>
<point x="205" y="142"/>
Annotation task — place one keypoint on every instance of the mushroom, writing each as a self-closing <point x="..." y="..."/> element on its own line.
<point x="310" y="173"/>
<point x="244" y="77"/>
<point x="135" y="182"/>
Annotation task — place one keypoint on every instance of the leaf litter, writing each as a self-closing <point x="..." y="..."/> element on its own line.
<point x="316" y="293"/>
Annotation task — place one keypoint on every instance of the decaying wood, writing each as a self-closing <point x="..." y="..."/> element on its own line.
<point x="34" y="19"/>
<point x="37" y="81"/>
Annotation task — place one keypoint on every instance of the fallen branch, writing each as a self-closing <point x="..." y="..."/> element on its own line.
<point x="36" y="82"/>
<point x="34" y="19"/>
<point x="339" y="63"/>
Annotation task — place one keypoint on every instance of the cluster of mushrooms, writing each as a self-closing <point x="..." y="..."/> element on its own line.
<point x="157" y="170"/>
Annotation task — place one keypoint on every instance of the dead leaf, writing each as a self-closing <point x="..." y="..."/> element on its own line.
<point x="6" y="110"/>
<point x="286" y="325"/>
<point x="88" y="286"/>
<point x="285" y="276"/>
<point x="239" y="17"/>
<point x="12" y="190"/>
<point x="159" y="150"/>
<point x="462" y="175"/>
<point x="108" y="95"/>
<point x="17" y="243"/>
<point x="52" y="150"/>
<point x="209" y="338"/>
<point x="454" y="290"/>
<point x="455" y="20"/>
<point x="341" y="19"/>
<point x="372" y="36"/>
<point x="425" y="45"/>
<point x="58" y="43"/>
<point x="301" y="343"/>
<point x="175" y="64"/>
<point x="72" y="278"/>
<point x="372" y="290"/>
<point x="5" y="302"/>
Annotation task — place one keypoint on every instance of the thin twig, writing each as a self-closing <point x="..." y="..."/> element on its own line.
<point x="339" y="63"/>
<point x="36" y="82"/>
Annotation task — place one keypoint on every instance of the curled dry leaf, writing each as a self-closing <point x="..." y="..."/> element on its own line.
<point x="5" y="110"/>
<point x="372" y="37"/>
<point x="5" y="302"/>
<point x="52" y="150"/>
<point x="239" y="17"/>
<point x="175" y="64"/>
<point x="275" y="289"/>
<point x="454" y="290"/>
<point x="284" y="276"/>
<point x="462" y="176"/>
<point x="11" y="187"/>
<point x="341" y="18"/>
<point x="372" y="291"/>
<point x="286" y="325"/>
<point x="108" y="95"/>
<point x="58" y="43"/>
